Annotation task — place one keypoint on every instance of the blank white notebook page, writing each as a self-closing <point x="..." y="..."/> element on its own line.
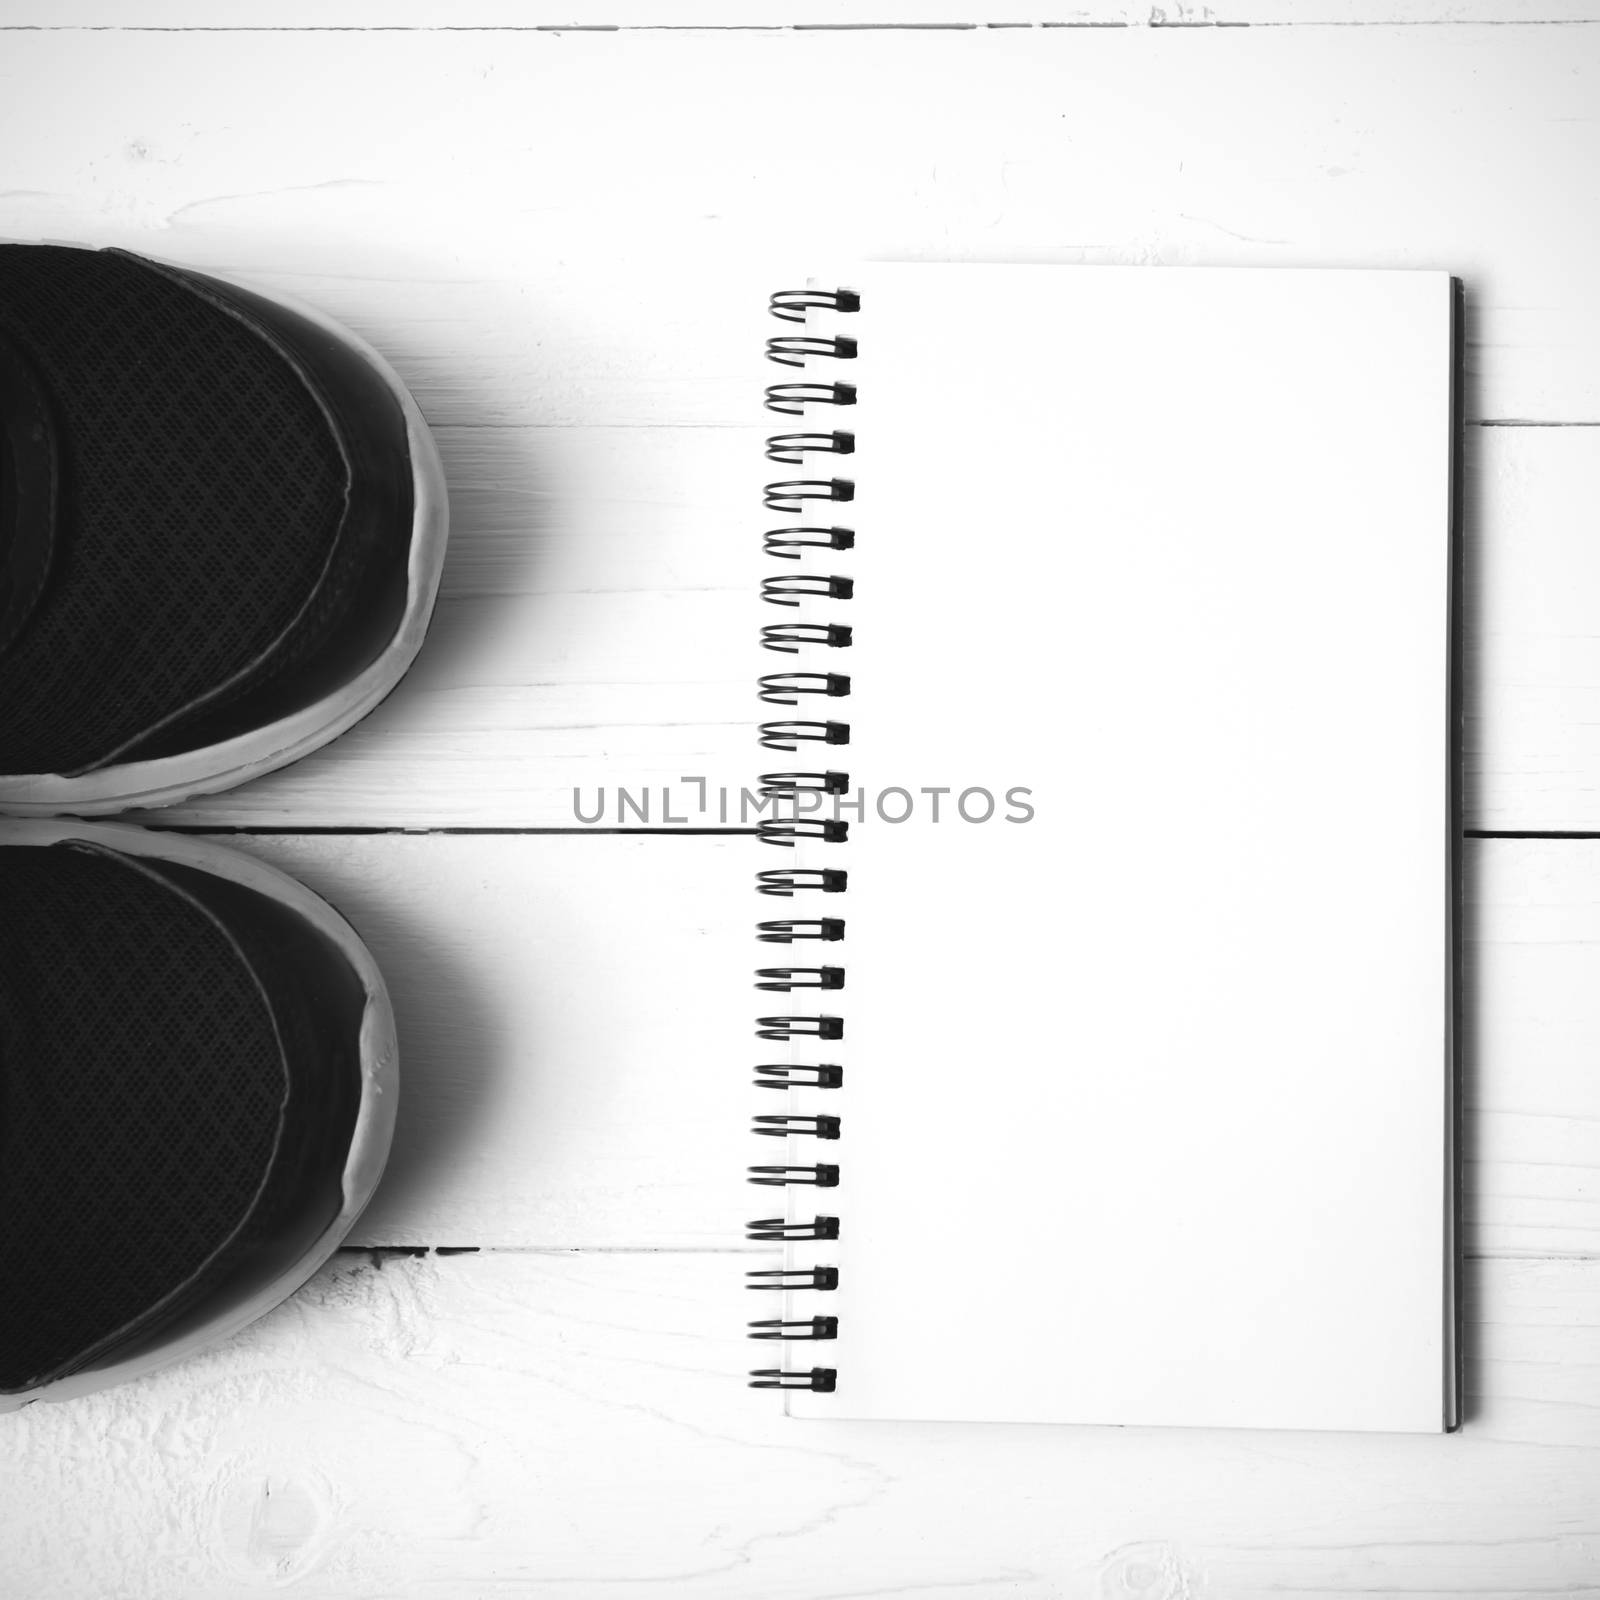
<point x="1147" y="1076"/>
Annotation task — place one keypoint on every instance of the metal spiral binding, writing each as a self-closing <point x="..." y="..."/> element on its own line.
<point x="781" y="1278"/>
<point x="795" y="542"/>
<point x="774" y="1229"/>
<point x="787" y="831"/>
<point x="791" y="735"/>
<point x="786" y="544"/>
<point x="788" y="637"/>
<point x="791" y="399"/>
<point x="786" y="785"/>
<point x="782" y="1028"/>
<point x="784" y="979"/>
<point x="777" y="1328"/>
<point x="792" y="930"/>
<point x="791" y="448"/>
<point x="785" y="688"/>
<point x="795" y="349"/>
<point x="820" y="1380"/>
<point x="785" y="1124"/>
<point x="792" y="588"/>
<point x="790" y="495"/>
<point x="823" y="1175"/>
<point x="786" y="1075"/>
<point x="791" y="305"/>
<point x="785" y="880"/>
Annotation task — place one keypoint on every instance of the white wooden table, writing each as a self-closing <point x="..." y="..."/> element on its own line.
<point x="560" y="222"/>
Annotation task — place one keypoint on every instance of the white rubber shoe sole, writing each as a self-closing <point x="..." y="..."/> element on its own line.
<point x="136" y="785"/>
<point x="209" y="1324"/>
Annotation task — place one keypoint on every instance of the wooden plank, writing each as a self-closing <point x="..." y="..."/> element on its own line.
<point x="567" y="227"/>
<point x="608" y="14"/>
<point x="599" y="610"/>
<point x="576" y="1025"/>
<point x="596" y="401"/>
<point x="564" y="1425"/>
<point x="1532" y="730"/>
<point x="1531" y="928"/>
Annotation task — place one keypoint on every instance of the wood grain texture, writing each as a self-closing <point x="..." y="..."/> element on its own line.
<point x="569" y="228"/>
<point x="1532" y="648"/>
<point x="565" y="247"/>
<point x="575" y="1425"/>
<point x="576" y="1027"/>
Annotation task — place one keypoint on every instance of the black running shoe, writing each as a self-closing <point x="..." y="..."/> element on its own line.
<point x="222" y="522"/>
<point x="197" y="1090"/>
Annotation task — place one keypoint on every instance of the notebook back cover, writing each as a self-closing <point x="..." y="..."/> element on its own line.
<point x="1147" y="1054"/>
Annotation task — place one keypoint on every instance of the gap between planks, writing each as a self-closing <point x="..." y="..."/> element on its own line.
<point x="339" y="830"/>
<point x="1152" y="24"/>
<point x="1525" y="833"/>
<point x="379" y="1253"/>
<point x="350" y="830"/>
<point x="417" y="1251"/>
<point x="492" y="426"/>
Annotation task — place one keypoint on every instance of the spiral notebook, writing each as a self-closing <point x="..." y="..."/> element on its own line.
<point x="1106" y="924"/>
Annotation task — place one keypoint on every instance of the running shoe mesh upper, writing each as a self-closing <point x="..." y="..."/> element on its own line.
<point x="201" y="491"/>
<point x="142" y="1096"/>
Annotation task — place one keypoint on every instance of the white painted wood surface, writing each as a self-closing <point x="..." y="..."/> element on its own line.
<point x="563" y="238"/>
<point x="576" y="1018"/>
<point x="563" y="1414"/>
<point x="577" y="15"/>
<point x="558" y="1425"/>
